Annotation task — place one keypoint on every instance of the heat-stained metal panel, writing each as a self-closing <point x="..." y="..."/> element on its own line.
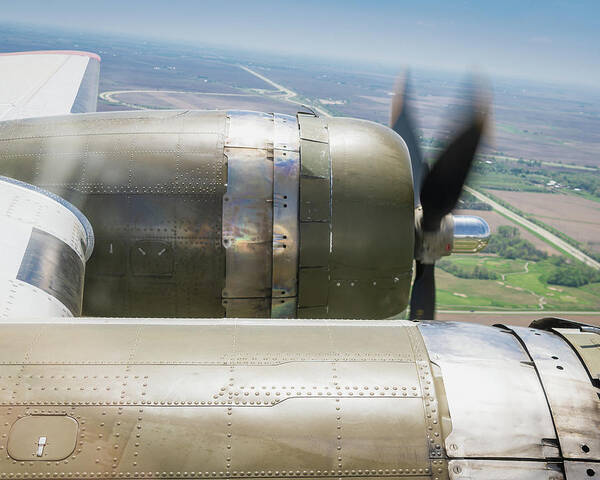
<point x="573" y="399"/>
<point x="286" y="240"/>
<point x="495" y="399"/>
<point x="248" y="223"/>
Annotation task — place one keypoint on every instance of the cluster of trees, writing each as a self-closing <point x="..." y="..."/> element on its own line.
<point x="507" y="243"/>
<point x="571" y="274"/>
<point x="536" y="176"/>
<point x="470" y="202"/>
<point x="479" y="271"/>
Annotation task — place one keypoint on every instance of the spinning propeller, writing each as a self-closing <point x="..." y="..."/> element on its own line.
<point x="437" y="190"/>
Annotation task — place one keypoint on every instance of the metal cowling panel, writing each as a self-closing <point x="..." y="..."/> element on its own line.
<point x="356" y="219"/>
<point x="495" y="399"/>
<point x="572" y="397"/>
<point x="315" y="218"/>
<point x="466" y="469"/>
<point x="286" y="235"/>
<point x="260" y="215"/>
<point x="151" y="183"/>
<point x="586" y="343"/>
<point x="372" y="220"/>
<point x="240" y="398"/>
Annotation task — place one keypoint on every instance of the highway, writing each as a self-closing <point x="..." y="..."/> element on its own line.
<point x="289" y="95"/>
<point x="550" y="237"/>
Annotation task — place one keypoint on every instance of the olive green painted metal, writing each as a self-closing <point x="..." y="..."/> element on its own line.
<point x="220" y="399"/>
<point x="152" y="185"/>
<point x="213" y="214"/>
<point x="372" y="240"/>
<point x="28" y="438"/>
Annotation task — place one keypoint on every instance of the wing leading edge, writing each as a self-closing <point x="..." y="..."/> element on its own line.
<point x="45" y="83"/>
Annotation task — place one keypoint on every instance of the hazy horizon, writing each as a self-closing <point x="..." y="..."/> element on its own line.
<point x="554" y="42"/>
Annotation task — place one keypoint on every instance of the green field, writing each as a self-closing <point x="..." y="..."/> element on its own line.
<point x="521" y="287"/>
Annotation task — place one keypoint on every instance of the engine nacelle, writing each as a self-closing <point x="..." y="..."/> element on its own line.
<point x="238" y="214"/>
<point x="297" y="399"/>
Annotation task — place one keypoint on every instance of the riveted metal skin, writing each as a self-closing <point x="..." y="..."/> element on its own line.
<point x="223" y="399"/>
<point x="495" y="399"/>
<point x="573" y="399"/>
<point x="248" y="212"/>
<point x="286" y="171"/>
<point x="169" y="398"/>
<point x="152" y="185"/>
<point x="372" y="227"/>
<point x="239" y="214"/>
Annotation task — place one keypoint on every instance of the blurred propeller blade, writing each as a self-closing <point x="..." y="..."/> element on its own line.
<point x="401" y="122"/>
<point x="440" y="186"/>
<point x="422" y="298"/>
<point x="444" y="183"/>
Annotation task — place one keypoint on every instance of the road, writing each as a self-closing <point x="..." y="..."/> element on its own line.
<point x="289" y="95"/>
<point x="110" y="96"/>
<point x="550" y="237"/>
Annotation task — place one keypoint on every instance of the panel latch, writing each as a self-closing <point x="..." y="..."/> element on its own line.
<point x="41" y="445"/>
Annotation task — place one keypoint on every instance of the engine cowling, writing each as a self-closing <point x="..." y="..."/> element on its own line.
<point x="238" y="214"/>
<point x="297" y="399"/>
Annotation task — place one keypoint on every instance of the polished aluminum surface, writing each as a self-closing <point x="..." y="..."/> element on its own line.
<point x="495" y="398"/>
<point x="431" y="246"/>
<point x="248" y="213"/>
<point x="573" y="399"/>
<point x="471" y="234"/>
<point x="504" y="470"/>
<point x="286" y="172"/>
<point x="582" y="470"/>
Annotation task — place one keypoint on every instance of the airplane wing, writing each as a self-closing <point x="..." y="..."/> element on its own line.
<point x="45" y="83"/>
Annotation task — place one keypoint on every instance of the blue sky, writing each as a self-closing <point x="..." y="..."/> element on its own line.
<point x="552" y="40"/>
